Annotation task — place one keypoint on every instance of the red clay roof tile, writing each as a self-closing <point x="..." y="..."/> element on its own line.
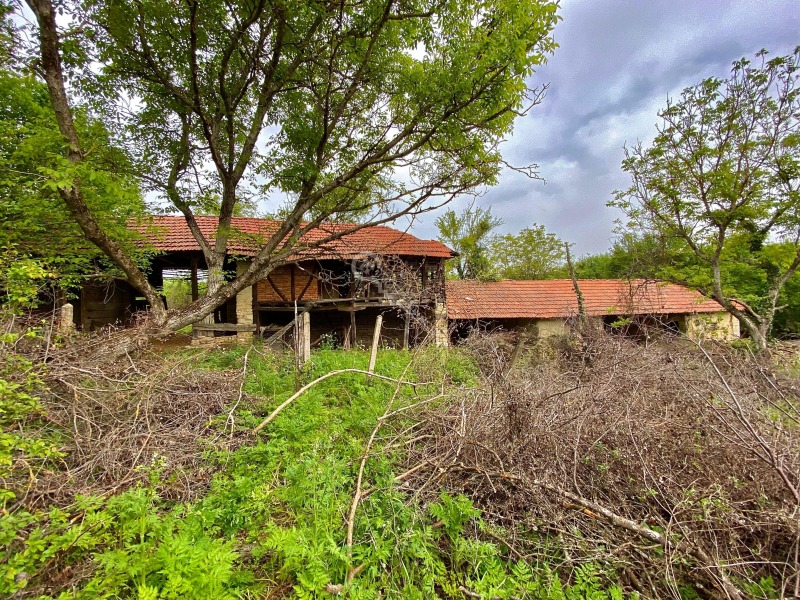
<point x="171" y="234"/>
<point x="555" y="298"/>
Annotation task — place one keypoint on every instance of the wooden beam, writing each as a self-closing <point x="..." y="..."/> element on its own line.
<point x="275" y="287"/>
<point x="256" y="312"/>
<point x="224" y="327"/>
<point x="308" y="285"/>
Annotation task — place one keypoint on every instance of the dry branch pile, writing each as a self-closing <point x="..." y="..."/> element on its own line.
<point x="128" y="420"/>
<point x="671" y="464"/>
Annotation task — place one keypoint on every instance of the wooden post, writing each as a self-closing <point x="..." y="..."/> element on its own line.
<point x="406" y="328"/>
<point x="376" y="338"/>
<point x="303" y="341"/>
<point x="195" y="290"/>
<point x="521" y="339"/>
<point x="346" y="338"/>
<point x="440" y="331"/>
<point x="353" y="336"/>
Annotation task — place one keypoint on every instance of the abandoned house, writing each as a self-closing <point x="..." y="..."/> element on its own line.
<point x="342" y="285"/>
<point x="543" y="307"/>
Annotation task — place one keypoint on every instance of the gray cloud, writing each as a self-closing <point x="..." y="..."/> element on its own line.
<point x="617" y="63"/>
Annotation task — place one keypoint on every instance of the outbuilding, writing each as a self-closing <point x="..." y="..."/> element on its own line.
<point x="543" y="307"/>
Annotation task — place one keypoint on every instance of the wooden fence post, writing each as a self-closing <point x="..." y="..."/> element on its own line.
<point x="376" y="338"/>
<point x="303" y="341"/>
<point x="406" y="327"/>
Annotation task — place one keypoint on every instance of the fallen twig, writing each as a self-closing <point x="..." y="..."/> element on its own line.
<point x="351" y="517"/>
<point x="229" y="420"/>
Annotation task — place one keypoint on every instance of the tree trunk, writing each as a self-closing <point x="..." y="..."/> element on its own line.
<point x="49" y="46"/>
<point x="758" y="327"/>
<point x="757" y="334"/>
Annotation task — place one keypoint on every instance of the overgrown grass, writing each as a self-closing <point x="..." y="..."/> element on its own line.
<point x="273" y="522"/>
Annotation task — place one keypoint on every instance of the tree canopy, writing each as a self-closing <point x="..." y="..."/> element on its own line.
<point x="722" y="176"/>
<point x="469" y="233"/>
<point x="373" y="107"/>
<point x="37" y="225"/>
<point x="533" y="253"/>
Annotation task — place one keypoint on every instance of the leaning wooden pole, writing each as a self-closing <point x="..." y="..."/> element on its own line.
<point x="376" y="338"/>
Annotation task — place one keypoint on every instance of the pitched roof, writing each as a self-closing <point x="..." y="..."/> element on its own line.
<point x="549" y="299"/>
<point x="172" y="234"/>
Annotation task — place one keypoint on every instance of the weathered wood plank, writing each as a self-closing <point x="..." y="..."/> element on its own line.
<point x="225" y="327"/>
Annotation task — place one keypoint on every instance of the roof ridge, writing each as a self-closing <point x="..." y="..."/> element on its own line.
<point x="170" y="233"/>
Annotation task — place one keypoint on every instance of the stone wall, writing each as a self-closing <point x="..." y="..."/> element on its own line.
<point x="545" y="328"/>
<point x="244" y="305"/>
<point x="721" y="326"/>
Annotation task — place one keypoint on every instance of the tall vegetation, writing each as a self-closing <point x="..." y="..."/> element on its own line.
<point x="469" y="234"/>
<point x="722" y="177"/>
<point x="532" y="253"/>
<point x="149" y="483"/>
<point x="676" y="466"/>
<point x="375" y="107"/>
<point x="37" y="226"/>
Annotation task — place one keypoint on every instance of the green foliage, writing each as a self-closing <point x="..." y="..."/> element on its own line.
<point x="137" y="549"/>
<point x="178" y="292"/>
<point x="21" y="453"/>
<point x="22" y="280"/>
<point x="765" y="588"/>
<point x="36" y="226"/>
<point x="743" y="271"/>
<point x="452" y="366"/>
<point x="337" y="84"/>
<point x="722" y="177"/>
<point x="632" y="256"/>
<point x="9" y="36"/>
<point x="366" y="110"/>
<point x="533" y="253"/>
<point x="469" y="234"/>
<point x="283" y="498"/>
<point x="287" y="495"/>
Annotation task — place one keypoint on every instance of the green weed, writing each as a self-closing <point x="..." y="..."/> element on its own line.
<point x="275" y="514"/>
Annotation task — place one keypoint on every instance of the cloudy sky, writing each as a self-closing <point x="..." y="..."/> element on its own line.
<point x="617" y="63"/>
